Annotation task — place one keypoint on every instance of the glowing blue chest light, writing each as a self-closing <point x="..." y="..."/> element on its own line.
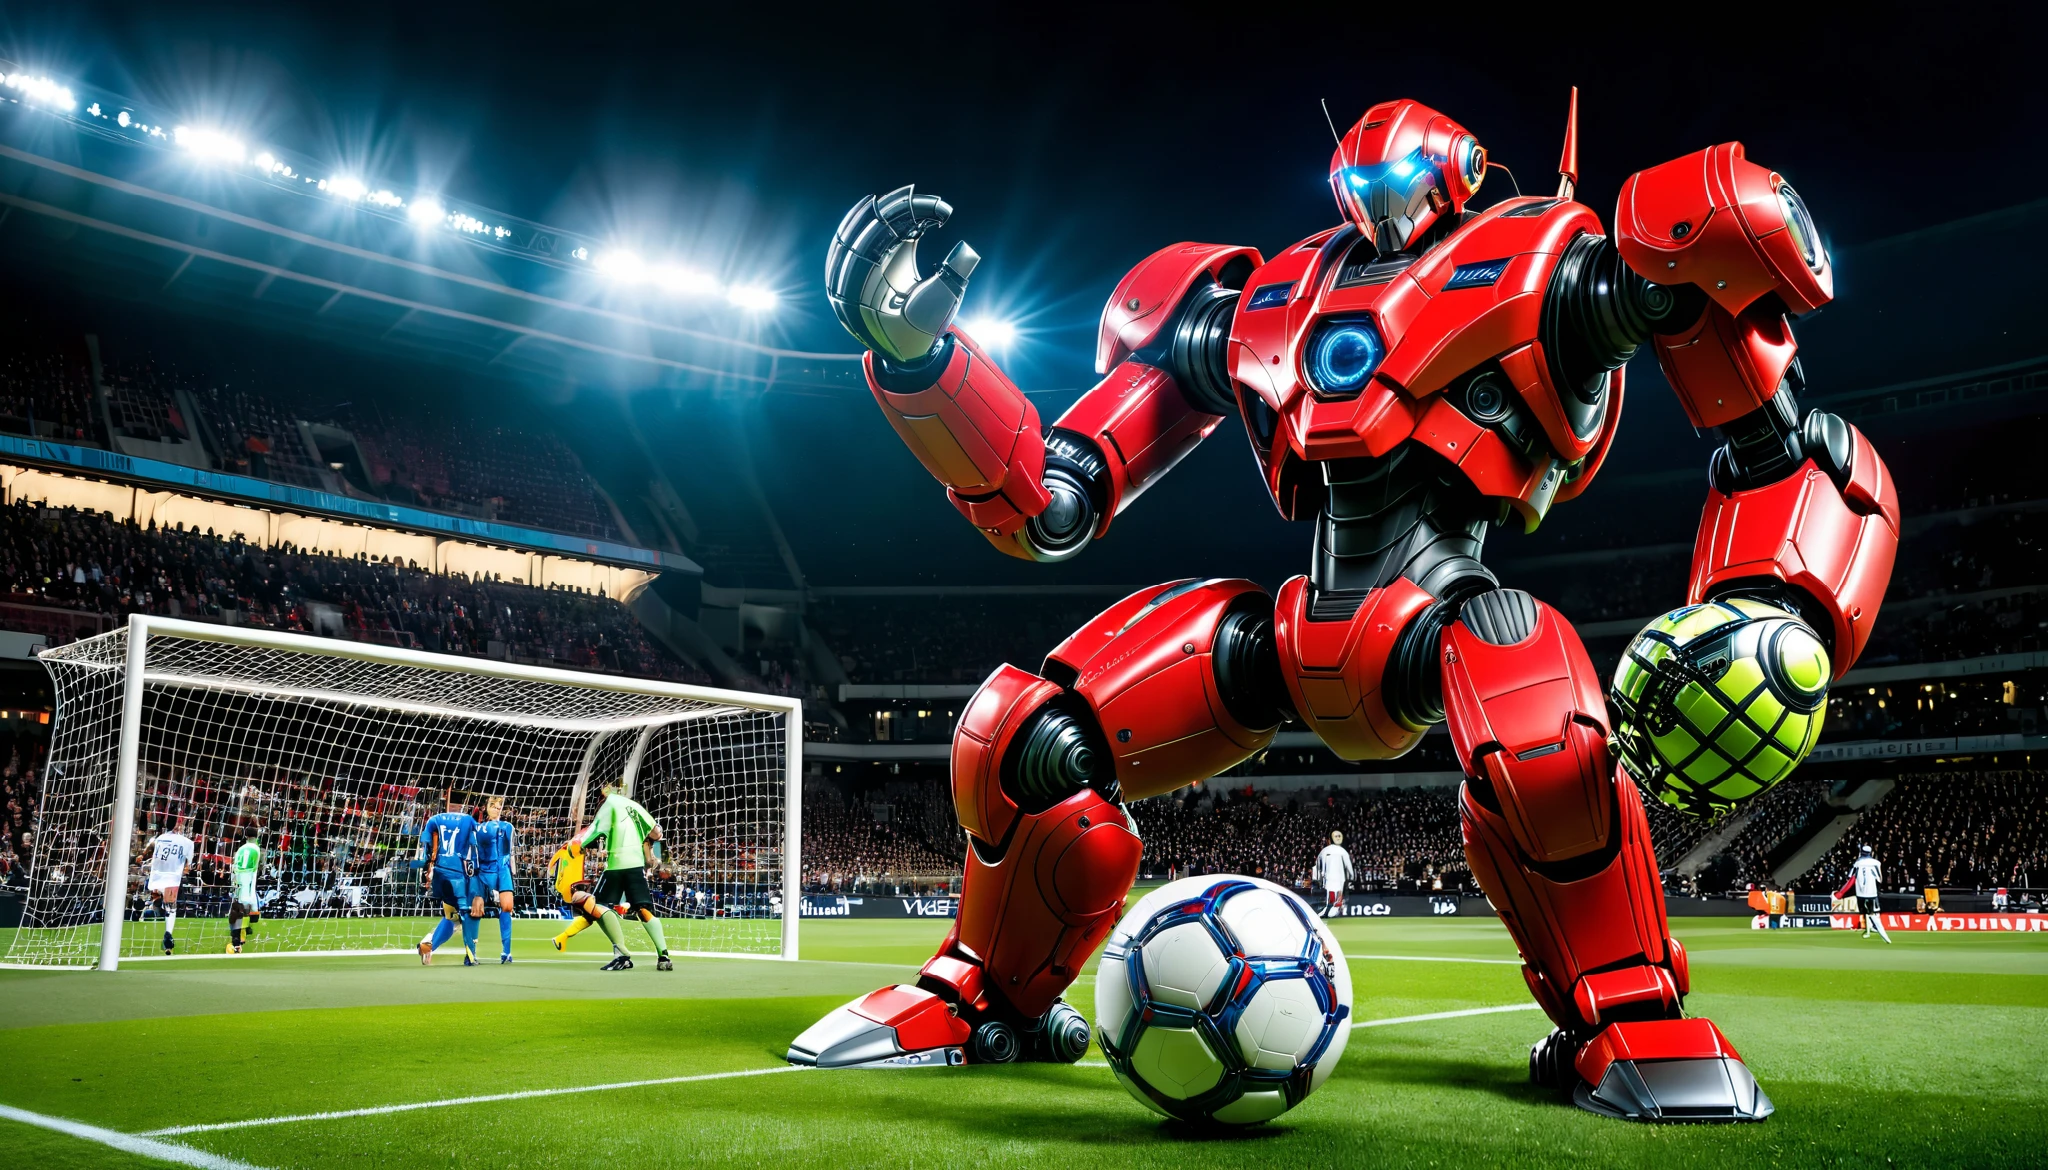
<point x="1343" y="353"/>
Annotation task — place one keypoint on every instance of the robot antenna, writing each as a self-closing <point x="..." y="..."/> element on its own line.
<point x="1338" y="138"/>
<point x="1568" y="166"/>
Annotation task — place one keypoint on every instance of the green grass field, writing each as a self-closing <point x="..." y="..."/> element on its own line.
<point x="1930" y="1052"/>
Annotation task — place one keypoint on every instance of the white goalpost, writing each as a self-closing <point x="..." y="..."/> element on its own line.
<point x="332" y="754"/>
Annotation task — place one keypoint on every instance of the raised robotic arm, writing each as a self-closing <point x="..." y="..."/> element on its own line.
<point x="1800" y="510"/>
<point x="1035" y="492"/>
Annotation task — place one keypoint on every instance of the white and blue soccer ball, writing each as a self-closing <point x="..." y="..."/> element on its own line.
<point x="1222" y="999"/>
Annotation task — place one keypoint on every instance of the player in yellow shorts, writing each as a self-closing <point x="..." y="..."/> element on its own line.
<point x="566" y="869"/>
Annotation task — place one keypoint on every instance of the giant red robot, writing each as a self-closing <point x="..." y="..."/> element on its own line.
<point x="1409" y="378"/>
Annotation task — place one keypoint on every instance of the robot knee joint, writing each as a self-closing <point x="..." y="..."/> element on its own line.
<point x="1246" y="660"/>
<point x="1060" y="751"/>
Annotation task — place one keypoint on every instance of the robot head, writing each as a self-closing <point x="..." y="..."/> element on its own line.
<point x="1400" y="168"/>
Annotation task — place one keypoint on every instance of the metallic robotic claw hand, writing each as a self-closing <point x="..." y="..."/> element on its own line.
<point x="871" y="275"/>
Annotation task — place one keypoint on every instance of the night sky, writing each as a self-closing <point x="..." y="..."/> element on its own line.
<point x="1072" y="143"/>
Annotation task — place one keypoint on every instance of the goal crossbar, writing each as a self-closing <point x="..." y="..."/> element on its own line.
<point x="143" y="625"/>
<point x="643" y="706"/>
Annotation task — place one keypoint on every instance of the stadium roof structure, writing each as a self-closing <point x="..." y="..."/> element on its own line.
<point x="128" y="207"/>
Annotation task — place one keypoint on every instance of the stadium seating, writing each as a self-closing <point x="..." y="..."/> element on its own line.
<point x="412" y="449"/>
<point x="899" y="838"/>
<point x="1966" y="828"/>
<point x="58" y="558"/>
<point x="19" y="793"/>
<point x="46" y="382"/>
<point x="1777" y="815"/>
<point x="1398" y="838"/>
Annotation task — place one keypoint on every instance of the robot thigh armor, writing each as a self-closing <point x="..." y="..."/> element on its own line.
<point x="1555" y="833"/>
<point x="1170" y="685"/>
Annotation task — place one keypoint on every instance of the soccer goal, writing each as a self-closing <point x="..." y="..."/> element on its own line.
<point x="336" y="752"/>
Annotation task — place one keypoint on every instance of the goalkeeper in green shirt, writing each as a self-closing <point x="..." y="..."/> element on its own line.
<point x="631" y="835"/>
<point x="248" y="859"/>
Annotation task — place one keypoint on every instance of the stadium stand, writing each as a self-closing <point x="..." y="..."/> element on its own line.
<point x="1968" y="828"/>
<point x="895" y="838"/>
<point x="261" y="422"/>
<point x="1399" y="838"/>
<point x="58" y="559"/>
<point x="947" y="638"/>
<point x="1778" y="814"/>
<point x="45" y="388"/>
<point x="19" y="791"/>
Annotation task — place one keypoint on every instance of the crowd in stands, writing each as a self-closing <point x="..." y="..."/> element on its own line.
<point x="1999" y="624"/>
<point x="48" y="384"/>
<point x="1774" y="817"/>
<point x="902" y="837"/>
<point x="958" y="638"/>
<point x="1978" y="829"/>
<point x="1989" y="705"/>
<point x="518" y="475"/>
<point x="19" y="794"/>
<point x="961" y="638"/>
<point x="897" y="838"/>
<point x="64" y="558"/>
<point x="1399" y="839"/>
<point x="412" y="450"/>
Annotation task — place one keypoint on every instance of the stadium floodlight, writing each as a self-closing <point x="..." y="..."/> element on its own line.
<point x="620" y="264"/>
<point x="163" y="713"/>
<point x="685" y="281"/>
<point x="212" y="145"/>
<point x="40" y="90"/>
<point x="425" y="211"/>
<point x="752" y="297"/>
<point x="991" y="333"/>
<point x="345" y="187"/>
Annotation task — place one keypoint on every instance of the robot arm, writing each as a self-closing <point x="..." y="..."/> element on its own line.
<point x="1035" y="492"/>
<point x="1800" y="511"/>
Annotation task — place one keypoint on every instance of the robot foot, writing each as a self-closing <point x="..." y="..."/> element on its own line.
<point x="896" y="1027"/>
<point x="1653" y="1070"/>
<point x="909" y="1027"/>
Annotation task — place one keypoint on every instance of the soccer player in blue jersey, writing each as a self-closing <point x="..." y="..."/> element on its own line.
<point x="448" y="850"/>
<point x="495" y="842"/>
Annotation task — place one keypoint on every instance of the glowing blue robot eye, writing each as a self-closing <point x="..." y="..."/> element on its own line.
<point x="1343" y="354"/>
<point x="1357" y="180"/>
<point x="1403" y="169"/>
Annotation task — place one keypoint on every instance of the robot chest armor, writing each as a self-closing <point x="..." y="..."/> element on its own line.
<point x="1340" y="354"/>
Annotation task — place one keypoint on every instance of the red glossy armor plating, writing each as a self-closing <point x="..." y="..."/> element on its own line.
<point x="1652" y="1040"/>
<point x="1555" y="833"/>
<point x="1334" y="669"/>
<point x="1530" y="720"/>
<point x="1835" y="546"/>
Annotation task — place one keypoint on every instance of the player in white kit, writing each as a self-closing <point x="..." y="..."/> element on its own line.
<point x="169" y="856"/>
<point x="1864" y="876"/>
<point x="1333" y="869"/>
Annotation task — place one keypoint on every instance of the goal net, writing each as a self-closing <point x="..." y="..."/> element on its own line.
<point x="335" y="753"/>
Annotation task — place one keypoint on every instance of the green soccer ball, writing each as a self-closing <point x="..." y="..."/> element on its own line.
<point x="1715" y="703"/>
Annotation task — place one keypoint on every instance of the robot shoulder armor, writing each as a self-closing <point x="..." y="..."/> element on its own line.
<point x="1144" y="300"/>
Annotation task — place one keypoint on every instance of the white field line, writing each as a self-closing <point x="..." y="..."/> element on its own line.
<point x="127" y="1143"/>
<point x="1434" y="959"/>
<point x="483" y="1099"/>
<point x="488" y="1098"/>
<point x="1485" y="1011"/>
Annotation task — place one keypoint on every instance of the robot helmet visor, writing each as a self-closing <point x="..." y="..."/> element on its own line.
<point x="1386" y="192"/>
